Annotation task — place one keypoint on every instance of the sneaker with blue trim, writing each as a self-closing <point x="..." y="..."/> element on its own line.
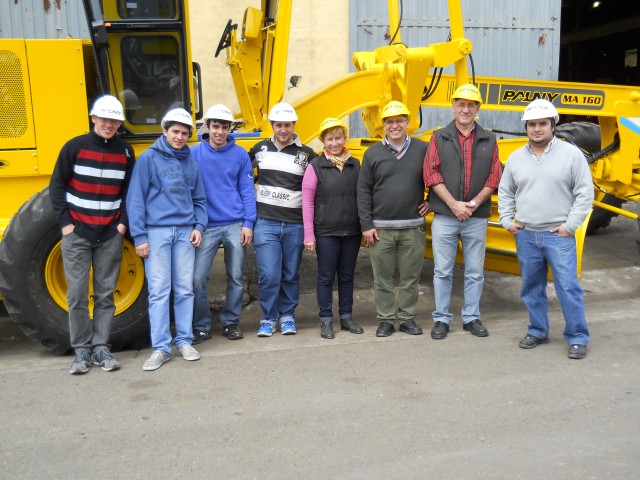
<point x="265" y="330"/>
<point x="81" y="363"/>
<point x="105" y="360"/>
<point x="288" y="328"/>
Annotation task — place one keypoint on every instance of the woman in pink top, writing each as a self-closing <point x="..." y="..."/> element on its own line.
<point x="331" y="224"/>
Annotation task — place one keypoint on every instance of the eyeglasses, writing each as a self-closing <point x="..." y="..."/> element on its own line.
<point x="397" y="121"/>
<point x="461" y="106"/>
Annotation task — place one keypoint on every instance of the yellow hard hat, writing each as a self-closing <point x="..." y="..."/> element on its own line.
<point x="468" y="92"/>
<point x="394" y="108"/>
<point x="331" y="122"/>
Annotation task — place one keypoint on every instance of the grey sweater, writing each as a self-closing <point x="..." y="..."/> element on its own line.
<point x="542" y="193"/>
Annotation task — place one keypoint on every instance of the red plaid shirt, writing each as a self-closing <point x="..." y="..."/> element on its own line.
<point x="432" y="164"/>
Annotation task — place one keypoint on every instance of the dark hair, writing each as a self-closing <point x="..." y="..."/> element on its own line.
<point x="223" y="122"/>
<point x="551" y="119"/>
<point x="171" y="123"/>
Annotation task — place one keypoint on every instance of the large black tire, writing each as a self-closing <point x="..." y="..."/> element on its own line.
<point x="601" y="218"/>
<point x="30" y="258"/>
<point x="588" y="137"/>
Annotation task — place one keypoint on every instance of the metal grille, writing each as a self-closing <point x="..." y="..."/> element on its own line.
<point x="13" y="111"/>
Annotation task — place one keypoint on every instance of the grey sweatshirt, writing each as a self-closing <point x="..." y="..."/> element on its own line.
<point x="542" y="193"/>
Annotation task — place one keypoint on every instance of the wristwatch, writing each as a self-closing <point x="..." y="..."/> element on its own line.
<point x="474" y="205"/>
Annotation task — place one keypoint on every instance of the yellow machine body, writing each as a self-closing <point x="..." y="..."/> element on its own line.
<point x="143" y="56"/>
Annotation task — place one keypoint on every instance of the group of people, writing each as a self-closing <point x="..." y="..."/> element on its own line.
<point x="181" y="204"/>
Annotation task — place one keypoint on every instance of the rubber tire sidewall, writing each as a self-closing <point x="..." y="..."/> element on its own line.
<point x="24" y="250"/>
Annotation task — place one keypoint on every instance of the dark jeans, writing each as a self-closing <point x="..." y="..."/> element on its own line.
<point x="79" y="256"/>
<point x="336" y="256"/>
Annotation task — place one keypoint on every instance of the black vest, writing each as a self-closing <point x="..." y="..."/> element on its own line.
<point x="336" y="206"/>
<point x="452" y="167"/>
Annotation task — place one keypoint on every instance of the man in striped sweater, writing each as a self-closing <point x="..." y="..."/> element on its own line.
<point x="87" y="191"/>
<point x="278" y="232"/>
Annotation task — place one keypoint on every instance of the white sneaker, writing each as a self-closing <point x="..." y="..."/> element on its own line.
<point x="189" y="353"/>
<point x="155" y="361"/>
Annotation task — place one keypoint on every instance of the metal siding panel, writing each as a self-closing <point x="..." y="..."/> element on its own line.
<point x="29" y="19"/>
<point x="510" y="39"/>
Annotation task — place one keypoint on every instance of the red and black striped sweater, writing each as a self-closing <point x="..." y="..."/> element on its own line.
<point x="89" y="184"/>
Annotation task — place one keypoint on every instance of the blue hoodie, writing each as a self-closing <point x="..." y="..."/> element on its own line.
<point x="165" y="191"/>
<point x="228" y="183"/>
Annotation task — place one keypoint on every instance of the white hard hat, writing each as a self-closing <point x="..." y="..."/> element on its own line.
<point x="219" y="112"/>
<point x="540" y="108"/>
<point x="179" y="115"/>
<point x="108" y="106"/>
<point x="282" y="112"/>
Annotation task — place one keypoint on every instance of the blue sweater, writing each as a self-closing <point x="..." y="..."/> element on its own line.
<point x="227" y="176"/>
<point x="165" y="191"/>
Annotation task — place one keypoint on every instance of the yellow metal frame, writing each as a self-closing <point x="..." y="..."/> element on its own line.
<point x="257" y="61"/>
<point x="397" y="72"/>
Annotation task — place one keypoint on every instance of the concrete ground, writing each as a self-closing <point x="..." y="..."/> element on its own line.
<point x="356" y="407"/>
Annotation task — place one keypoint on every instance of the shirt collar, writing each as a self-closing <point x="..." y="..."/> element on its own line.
<point x="295" y="140"/>
<point x="397" y="151"/>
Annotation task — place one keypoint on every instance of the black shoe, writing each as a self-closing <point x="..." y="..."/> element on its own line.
<point x="326" y="330"/>
<point x="410" y="327"/>
<point x="476" y="328"/>
<point x="233" y="332"/>
<point x="349" y="324"/>
<point x="439" y="330"/>
<point x="385" y="329"/>
<point x="199" y="337"/>
<point x="577" y="351"/>
<point x="529" y="341"/>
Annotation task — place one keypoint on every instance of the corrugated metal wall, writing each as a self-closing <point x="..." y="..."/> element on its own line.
<point x="42" y="19"/>
<point x="515" y="39"/>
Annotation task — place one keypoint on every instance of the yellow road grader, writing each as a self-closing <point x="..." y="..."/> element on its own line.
<point x="140" y="52"/>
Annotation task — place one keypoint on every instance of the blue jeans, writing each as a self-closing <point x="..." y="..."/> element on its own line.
<point x="79" y="256"/>
<point x="278" y="248"/>
<point x="535" y="251"/>
<point x="446" y="231"/>
<point x="229" y="237"/>
<point x="169" y="267"/>
<point x="336" y="256"/>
